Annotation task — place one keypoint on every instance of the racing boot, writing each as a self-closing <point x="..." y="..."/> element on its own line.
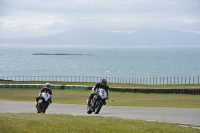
<point x="88" y="101"/>
<point x="36" y="104"/>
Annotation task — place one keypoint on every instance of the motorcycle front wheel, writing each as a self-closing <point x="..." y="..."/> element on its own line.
<point x="39" y="109"/>
<point x="44" y="107"/>
<point x="98" y="106"/>
<point x="89" y="111"/>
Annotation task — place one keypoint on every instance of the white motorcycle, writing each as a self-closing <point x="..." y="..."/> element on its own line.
<point x="43" y="102"/>
<point x="97" y="101"/>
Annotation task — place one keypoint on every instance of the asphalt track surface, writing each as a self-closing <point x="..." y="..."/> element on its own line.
<point x="185" y="116"/>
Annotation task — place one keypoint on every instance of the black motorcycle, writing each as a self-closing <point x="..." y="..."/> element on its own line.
<point x="43" y="102"/>
<point x="97" y="101"/>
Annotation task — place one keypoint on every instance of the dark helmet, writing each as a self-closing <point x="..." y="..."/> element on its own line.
<point x="104" y="81"/>
<point x="47" y="85"/>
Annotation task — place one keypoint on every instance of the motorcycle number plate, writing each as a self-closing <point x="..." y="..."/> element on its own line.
<point x="40" y="101"/>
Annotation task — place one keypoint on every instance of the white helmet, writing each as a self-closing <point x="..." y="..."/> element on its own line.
<point x="47" y="85"/>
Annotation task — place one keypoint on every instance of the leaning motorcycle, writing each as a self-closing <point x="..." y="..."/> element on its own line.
<point x="43" y="102"/>
<point x="97" y="101"/>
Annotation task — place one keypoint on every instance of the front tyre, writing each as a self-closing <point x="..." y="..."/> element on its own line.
<point x="98" y="106"/>
<point x="89" y="111"/>
<point x="39" y="109"/>
<point x="44" y="107"/>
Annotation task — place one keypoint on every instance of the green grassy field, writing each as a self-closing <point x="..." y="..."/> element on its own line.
<point x="67" y="96"/>
<point x="60" y="123"/>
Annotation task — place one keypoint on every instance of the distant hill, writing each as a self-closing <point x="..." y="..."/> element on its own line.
<point x="100" y="37"/>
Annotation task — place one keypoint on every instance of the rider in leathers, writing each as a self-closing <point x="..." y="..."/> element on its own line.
<point x="102" y="84"/>
<point x="47" y="89"/>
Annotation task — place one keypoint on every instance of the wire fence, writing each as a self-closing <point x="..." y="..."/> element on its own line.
<point x="126" y="80"/>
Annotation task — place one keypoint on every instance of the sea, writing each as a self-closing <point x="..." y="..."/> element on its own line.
<point x="104" y="61"/>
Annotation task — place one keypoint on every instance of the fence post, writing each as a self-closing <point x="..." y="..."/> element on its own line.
<point x="171" y="80"/>
<point x="178" y="80"/>
<point x="189" y="79"/>
<point x="143" y="81"/>
<point x="174" y="80"/>
<point x="160" y="80"/>
<point x="185" y="80"/>
<point x="163" y="80"/>
<point x="156" y="80"/>
<point x="181" y="80"/>
<point x="153" y="80"/>
<point x="146" y="80"/>
<point x="150" y="81"/>
<point x="193" y="79"/>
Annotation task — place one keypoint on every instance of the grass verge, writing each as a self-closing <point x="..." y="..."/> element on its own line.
<point x="60" y="123"/>
<point x="116" y="98"/>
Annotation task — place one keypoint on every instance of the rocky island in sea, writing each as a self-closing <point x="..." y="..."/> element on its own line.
<point x="61" y="54"/>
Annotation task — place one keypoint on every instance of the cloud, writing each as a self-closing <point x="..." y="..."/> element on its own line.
<point x="121" y="31"/>
<point x="192" y="20"/>
<point x="32" y="24"/>
<point x="197" y="32"/>
<point x="36" y="17"/>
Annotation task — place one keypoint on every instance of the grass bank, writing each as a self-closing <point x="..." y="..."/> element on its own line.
<point x="116" y="98"/>
<point x="60" y="123"/>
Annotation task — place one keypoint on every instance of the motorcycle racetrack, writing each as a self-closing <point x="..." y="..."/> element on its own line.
<point x="183" y="116"/>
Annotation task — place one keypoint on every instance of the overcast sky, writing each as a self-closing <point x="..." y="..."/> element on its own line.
<point x="29" y="18"/>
